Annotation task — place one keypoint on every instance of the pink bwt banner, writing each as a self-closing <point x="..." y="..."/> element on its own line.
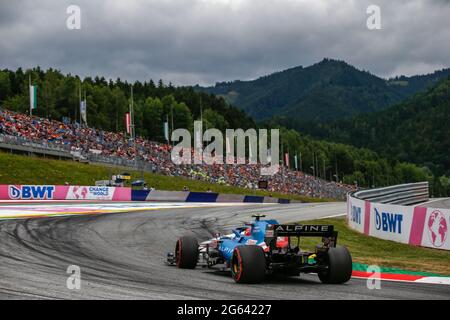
<point x="52" y="192"/>
<point x="420" y="226"/>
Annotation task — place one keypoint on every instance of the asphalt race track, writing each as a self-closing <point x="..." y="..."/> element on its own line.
<point x="442" y="203"/>
<point x="121" y="256"/>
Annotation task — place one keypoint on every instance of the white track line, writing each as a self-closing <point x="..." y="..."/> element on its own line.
<point x="434" y="280"/>
<point x="333" y="216"/>
<point x="14" y="211"/>
<point x="425" y="280"/>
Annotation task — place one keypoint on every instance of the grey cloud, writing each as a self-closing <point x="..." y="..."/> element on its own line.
<point x="204" y="41"/>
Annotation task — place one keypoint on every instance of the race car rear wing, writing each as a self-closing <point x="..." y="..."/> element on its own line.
<point x="329" y="236"/>
<point x="301" y="230"/>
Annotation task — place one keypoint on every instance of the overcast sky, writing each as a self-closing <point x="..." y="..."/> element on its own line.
<point x="204" y="41"/>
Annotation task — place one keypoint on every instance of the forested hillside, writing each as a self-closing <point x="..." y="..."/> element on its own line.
<point x="325" y="91"/>
<point x="411" y="85"/>
<point x="417" y="130"/>
<point x="108" y="101"/>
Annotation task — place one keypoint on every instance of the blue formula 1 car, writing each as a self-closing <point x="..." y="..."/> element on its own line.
<point x="265" y="247"/>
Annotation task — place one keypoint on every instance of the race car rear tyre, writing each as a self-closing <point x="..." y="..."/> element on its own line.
<point x="339" y="266"/>
<point x="248" y="264"/>
<point x="186" y="252"/>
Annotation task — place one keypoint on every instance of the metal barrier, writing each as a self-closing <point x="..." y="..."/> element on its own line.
<point x="390" y="214"/>
<point x="404" y="194"/>
<point x="64" y="151"/>
<point x="23" y="145"/>
<point x="138" y="164"/>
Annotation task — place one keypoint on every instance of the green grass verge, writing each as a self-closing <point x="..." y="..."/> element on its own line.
<point x="384" y="253"/>
<point x="19" y="169"/>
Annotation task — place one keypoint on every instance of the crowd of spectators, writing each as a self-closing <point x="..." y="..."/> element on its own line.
<point x="89" y="141"/>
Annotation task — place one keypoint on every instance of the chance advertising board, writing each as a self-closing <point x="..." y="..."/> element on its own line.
<point x="90" y="193"/>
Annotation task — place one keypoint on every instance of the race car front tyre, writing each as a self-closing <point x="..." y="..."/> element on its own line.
<point x="339" y="266"/>
<point x="186" y="252"/>
<point x="248" y="264"/>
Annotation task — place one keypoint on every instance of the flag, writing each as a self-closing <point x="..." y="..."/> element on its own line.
<point x="166" y="130"/>
<point x="300" y="158"/>
<point x="286" y="159"/>
<point x="83" y="111"/>
<point x="282" y="153"/>
<point x="128" y="122"/>
<point x="33" y="97"/>
<point x="198" y="139"/>
<point x="295" y="160"/>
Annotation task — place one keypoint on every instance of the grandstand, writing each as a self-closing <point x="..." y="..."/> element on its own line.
<point x="24" y="133"/>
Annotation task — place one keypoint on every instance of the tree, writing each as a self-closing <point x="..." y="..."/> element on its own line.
<point x="213" y="119"/>
<point x="153" y="118"/>
<point x="5" y="86"/>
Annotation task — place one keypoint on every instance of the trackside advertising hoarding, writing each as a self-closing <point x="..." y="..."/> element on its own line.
<point x="52" y="192"/>
<point x="356" y="214"/>
<point x="390" y="222"/>
<point x="98" y="193"/>
<point x="435" y="233"/>
<point x="415" y="225"/>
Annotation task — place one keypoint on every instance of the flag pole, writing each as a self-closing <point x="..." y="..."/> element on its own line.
<point x="132" y="133"/>
<point x="201" y="118"/>
<point x="79" y="100"/>
<point x="168" y="130"/>
<point x="85" y="108"/>
<point x="324" y="170"/>
<point x="295" y="161"/>
<point x="29" y="91"/>
<point x="171" y="114"/>
<point x="301" y="169"/>
<point x="201" y="110"/>
<point x="132" y="126"/>
<point x="314" y="165"/>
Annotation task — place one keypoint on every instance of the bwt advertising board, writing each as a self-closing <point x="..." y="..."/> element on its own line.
<point x="51" y="192"/>
<point x="356" y="214"/>
<point x="27" y="192"/>
<point x="390" y="222"/>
